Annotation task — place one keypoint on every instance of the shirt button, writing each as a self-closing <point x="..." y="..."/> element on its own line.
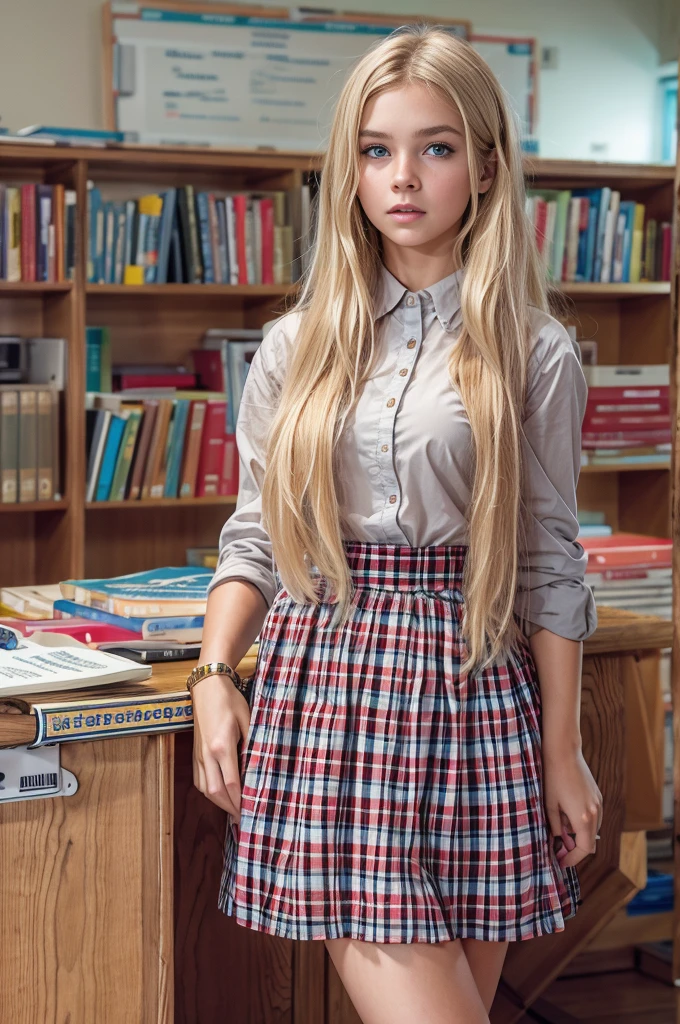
<point x="393" y="498"/>
<point x="391" y="402"/>
<point x="402" y="373"/>
<point x="411" y="301"/>
<point x="411" y="343"/>
<point x="384" y="448"/>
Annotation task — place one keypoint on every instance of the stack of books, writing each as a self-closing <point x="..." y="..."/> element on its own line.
<point x="627" y="418"/>
<point x="591" y="234"/>
<point x="167" y="603"/>
<point x="189" y="237"/>
<point x="37" y="233"/>
<point x="631" y="571"/>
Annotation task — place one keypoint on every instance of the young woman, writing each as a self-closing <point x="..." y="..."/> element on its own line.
<point x="405" y="540"/>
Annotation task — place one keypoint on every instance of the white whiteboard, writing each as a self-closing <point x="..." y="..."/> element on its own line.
<point x="225" y="79"/>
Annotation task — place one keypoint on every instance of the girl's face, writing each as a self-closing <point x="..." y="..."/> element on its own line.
<point x="413" y="154"/>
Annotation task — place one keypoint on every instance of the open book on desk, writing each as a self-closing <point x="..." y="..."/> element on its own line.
<point x="52" y="661"/>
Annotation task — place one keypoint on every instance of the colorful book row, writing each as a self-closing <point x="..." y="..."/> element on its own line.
<point x="592" y="234"/>
<point x="190" y="237"/>
<point x="37" y="233"/>
<point x="147" y="447"/>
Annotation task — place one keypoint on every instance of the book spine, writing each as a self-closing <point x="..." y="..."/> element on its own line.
<point x="267" y="213"/>
<point x="214" y="231"/>
<point x="13" y="202"/>
<point x="28" y="446"/>
<point x="194" y="236"/>
<point x="239" y="201"/>
<point x="192" y="449"/>
<point x="204" y="235"/>
<point x="211" y="455"/>
<point x="28" y="229"/>
<point x="45" y="476"/>
<point x="9" y="446"/>
<point x="59" y="220"/>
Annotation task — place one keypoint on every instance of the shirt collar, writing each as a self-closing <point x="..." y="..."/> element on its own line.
<point x="444" y="294"/>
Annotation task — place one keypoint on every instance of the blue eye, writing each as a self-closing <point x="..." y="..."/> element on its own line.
<point x="366" y="151"/>
<point x="441" y="145"/>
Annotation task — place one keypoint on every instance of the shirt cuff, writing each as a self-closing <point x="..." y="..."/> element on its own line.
<point x="249" y="573"/>
<point x="565" y="607"/>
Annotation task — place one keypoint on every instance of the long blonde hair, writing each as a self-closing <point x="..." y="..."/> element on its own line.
<point x="335" y="343"/>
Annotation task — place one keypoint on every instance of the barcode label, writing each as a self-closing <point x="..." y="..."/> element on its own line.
<point x="46" y="781"/>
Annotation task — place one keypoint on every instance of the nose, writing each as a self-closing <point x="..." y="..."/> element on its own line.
<point x="404" y="174"/>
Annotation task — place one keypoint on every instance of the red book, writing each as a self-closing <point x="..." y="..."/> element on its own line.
<point x="211" y="455"/>
<point x="627" y="549"/>
<point x="28" y="232"/>
<point x="240" y="200"/>
<point x="653" y="398"/>
<point x="229" y="478"/>
<point x="624" y="421"/>
<point x="267" y="226"/>
<point x="86" y="630"/>
<point x="208" y="366"/>
<point x="541" y="222"/>
<point x="154" y="380"/>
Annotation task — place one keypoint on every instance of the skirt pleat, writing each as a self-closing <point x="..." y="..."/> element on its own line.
<point x="385" y="795"/>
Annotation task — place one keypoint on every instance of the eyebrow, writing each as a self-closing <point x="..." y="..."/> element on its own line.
<point x="437" y="129"/>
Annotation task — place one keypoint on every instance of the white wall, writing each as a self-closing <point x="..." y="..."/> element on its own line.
<point x="598" y="104"/>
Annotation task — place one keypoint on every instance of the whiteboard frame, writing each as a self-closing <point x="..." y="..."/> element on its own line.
<point x="245" y="10"/>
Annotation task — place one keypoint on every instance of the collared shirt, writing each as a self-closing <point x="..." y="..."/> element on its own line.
<point x="404" y="459"/>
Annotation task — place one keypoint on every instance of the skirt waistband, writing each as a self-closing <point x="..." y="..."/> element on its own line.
<point x="402" y="567"/>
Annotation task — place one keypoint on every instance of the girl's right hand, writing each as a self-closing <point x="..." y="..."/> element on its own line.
<point x="221" y="722"/>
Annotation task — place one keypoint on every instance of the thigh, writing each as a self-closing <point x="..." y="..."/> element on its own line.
<point x="486" y="963"/>
<point x="399" y="982"/>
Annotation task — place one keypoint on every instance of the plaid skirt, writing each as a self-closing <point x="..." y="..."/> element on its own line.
<point x="385" y="796"/>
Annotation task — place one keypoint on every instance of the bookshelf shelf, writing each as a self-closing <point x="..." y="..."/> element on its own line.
<point x="35" y="506"/>
<point x="580" y="289"/>
<point x="202" y="291"/>
<point x="173" y="503"/>
<point x="663" y="465"/>
<point x="32" y="288"/>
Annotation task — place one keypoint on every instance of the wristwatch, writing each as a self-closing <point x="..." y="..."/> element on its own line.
<point x="216" y="668"/>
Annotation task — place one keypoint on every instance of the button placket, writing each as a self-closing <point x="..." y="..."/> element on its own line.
<point x="406" y="357"/>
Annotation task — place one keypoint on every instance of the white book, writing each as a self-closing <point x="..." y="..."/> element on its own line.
<point x="52" y="661"/>
<point x="231" y="239"/>
<point x="617" y="262"/>
<point x="609" y="231"/>
<point x="654" y="375"/>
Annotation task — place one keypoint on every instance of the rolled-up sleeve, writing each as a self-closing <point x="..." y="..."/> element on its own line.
<point x="552" y="593"/>
<point x="245" y="549"/>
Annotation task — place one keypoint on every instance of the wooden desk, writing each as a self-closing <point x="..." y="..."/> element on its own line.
<point x="109" y="897"/>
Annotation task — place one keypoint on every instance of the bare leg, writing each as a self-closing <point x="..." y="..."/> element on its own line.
<point x="402" y="982"/>
<point x="486" y="963"/>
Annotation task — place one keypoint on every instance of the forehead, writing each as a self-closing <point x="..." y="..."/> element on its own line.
<point x="411" y="106"/>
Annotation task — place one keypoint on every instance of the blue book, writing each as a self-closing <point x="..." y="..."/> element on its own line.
<point x="593" y="214"/>
<point x="109" y="240"/>
<point x="93" y="358"/>
<point x="113" y="439"/>
<point x="159" y="626"/>
<point x="223" y="236"/>
<point x="165" y="235"/>
<point x="166" y="584"/>
<point x="204" y="234"/>
<point x="182" y="406"/>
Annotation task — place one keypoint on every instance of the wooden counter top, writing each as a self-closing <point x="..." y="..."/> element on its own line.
<point x="134" y="707"/>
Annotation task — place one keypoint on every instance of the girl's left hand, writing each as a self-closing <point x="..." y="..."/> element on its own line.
<point x="573" y="804"/>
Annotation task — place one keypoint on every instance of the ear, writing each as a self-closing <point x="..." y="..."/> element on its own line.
<point x="488" y="174"/>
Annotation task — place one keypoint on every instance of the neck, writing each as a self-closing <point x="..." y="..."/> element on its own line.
<point x="414" y="268"/>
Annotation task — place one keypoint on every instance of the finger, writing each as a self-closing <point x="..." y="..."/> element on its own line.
<point x="215" y="790"/>
<point x="230" y="769"/>
<point x="553" y="815"/>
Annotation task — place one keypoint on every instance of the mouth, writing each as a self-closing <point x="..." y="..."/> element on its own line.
<point x="404" y="213"/>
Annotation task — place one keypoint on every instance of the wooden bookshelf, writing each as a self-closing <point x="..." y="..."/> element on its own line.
<point x="47" y="541"/>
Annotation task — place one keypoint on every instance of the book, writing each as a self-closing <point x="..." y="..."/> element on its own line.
<point x="56" y="662"/>
<point x="181" y="627"/>
<point x="86" y="630"/>
<point x="31" y="602"/>
<point x="164" y="591"/>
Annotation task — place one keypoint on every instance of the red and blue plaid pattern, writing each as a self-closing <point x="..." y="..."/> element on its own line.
<point x="384" y="796"/>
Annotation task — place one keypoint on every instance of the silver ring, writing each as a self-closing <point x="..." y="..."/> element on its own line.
<point x="597" y="836"/>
